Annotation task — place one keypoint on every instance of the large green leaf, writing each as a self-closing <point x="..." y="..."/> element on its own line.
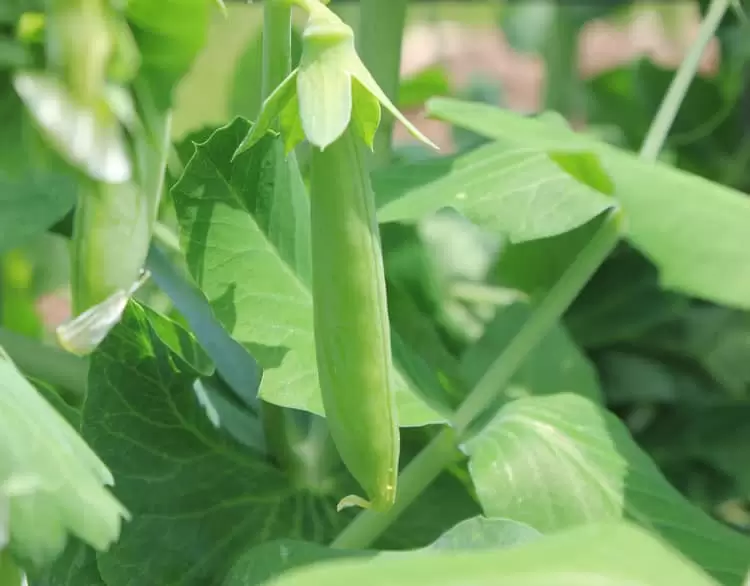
<point x="49" y="477"/>
<point x="555" y="366"/>
<point x="560" y="461"/>
<point x="261" y="564"/>
<point x="694" y="230"/>
<point x="199" y="498"/>
<point x="615" y="555"/>
<point x="234" y="256"/>
<point x="196" y="496"/>
<point x="520" y="192"/>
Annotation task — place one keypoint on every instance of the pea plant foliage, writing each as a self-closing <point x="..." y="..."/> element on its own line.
<point x="299" y="353"/>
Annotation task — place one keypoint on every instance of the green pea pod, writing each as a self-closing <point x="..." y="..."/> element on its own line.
<point x="352" y="334"/>
<point x="111" y="236"/>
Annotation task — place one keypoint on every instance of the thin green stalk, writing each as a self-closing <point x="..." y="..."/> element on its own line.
<point x="277" y="63"/>
<point x="379" y="40"/>
<point x="277" y="44"/>
<point x="670" y="105"/>
<point x="546" y="314"/>
<point x="440" y="452"/>
<point x="49" y="364"/>
<point x="562" y="87"/>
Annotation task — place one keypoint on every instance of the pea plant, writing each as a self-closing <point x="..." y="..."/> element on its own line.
<point x="277" y="368"/>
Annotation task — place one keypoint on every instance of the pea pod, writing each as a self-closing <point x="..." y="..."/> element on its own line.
<point x="352" y="335"/>
<point x="111" y="235"/>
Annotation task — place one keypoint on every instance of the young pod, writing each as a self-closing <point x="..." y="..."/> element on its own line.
<point x="352" y="334"/>
<point x="111" y="236"/>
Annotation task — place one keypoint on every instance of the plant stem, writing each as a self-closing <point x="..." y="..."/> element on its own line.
<point x="277" y="63"/>
<point x="662" y="122"/>
<point x="277" y="44"/>
<point x="441" y="451"/>
<point x="562" y="86"/>
<point x="379" y="39"/>
<point x="417" y="476"/>
<point x="546" y="314"/>
<point x="49" y="364"/>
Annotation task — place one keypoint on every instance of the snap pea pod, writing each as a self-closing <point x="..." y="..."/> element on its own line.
<point x="111" y="236"/>
<point x="352" y="334"/>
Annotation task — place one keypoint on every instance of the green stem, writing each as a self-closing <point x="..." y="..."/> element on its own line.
<point x="277" y="44"/>
<point x="546" y="314"/>
<point x="379" y="40"/>
<point x="277" y="63"/>
<point x="441" y="451"/>
<point x="562" y="86"/>
<point x="49" y="364"/>
<point x="670" y="105"/>
<point x="416" y="477"/>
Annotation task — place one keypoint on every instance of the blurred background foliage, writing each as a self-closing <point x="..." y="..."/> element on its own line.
<point x="676" y="370"/>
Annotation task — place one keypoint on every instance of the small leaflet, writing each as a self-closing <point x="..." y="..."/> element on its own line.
<point x="82" y="334"/>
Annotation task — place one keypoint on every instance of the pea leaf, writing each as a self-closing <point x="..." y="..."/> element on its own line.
<point x="560" y="461"/>
<point x="269" y="560"/>
<point x="601" y="555"/>
<point x="236" y="258"/>
<point x="520" y="192"/>
<point x="666" y="207"/>
<point x="232" y="361"/>
<point x="199" y="498"/>
<point x="50" y="477"/>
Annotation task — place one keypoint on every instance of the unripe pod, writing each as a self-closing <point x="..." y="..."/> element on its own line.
<point x="111" y="236"/>
<point x="352" y="334"/>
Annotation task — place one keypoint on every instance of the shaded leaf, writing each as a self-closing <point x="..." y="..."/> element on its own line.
<point x="519" y="192"/>
<point x="255" y="294"/>
<point x="666" y="207"/>
<point x="560" y="461"/>
<point x="197" y="497"/>
<point x="593" y="555"/>
<point x="240" y="370"/>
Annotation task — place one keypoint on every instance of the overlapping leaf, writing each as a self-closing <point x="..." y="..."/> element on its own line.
<point x="235" y="255"/>
<point x="590" y="555"/>
<point x="199" y="498"/>
<point x="520" y="192"/>
<point x="694" y="230"/>
<point x="560" y="461"/>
